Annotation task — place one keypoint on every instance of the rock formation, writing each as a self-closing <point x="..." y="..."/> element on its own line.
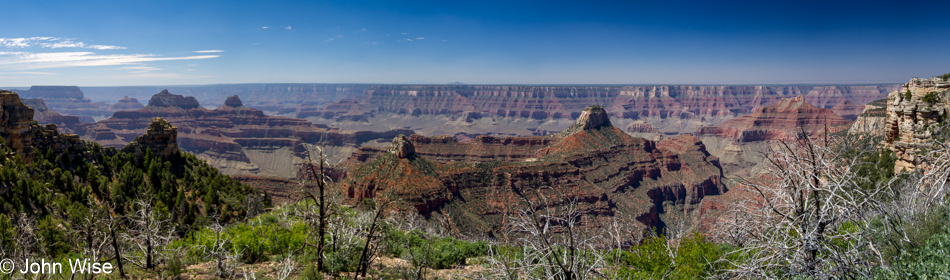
<point x="16" y="120"/>
<point x="402" y="148"/>
<point x="479" y="183"/>
<point x="69" y="100"/>
<point x="161" y="138"/>
<point x="739" y="143"/>
<point x="166" y="100"/>
<point x="43" y="115"/>
<point x="23" y="135"/>
<point x="872" y="119"/>
<point x="233" y="137"/>
<point x="781" y="121"/>
<point x="126" y="104"/>
<point x="913" y="112"/>
<point x="537" y="110"/>
<point x="847" y="109"/>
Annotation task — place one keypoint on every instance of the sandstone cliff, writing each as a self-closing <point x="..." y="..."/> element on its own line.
<point x="872" y="119"/>
<point x="477" y="184"/>
<point x="161" y="138"/>
<point x="538" y="110"/>
<point x="913" y="112"/>
<point x="782" y="121"/>
<point x="16" y="120"/>
<point x="21" y="133"/>
<point x="740" y="143"/>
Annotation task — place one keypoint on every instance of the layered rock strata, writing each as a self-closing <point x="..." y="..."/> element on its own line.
<point x="784" y="120"/>
<point x="480" y="183"/>
<point x="872" y="119"/>
<point x="69" y="100"/>
<point x="913" y="113"/>
<point x="670" y="109"/>
<point x="233" y="137"/>
<point x="24" y="136"/>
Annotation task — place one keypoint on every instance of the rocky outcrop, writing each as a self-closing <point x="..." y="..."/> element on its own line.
<point x="16" y="120"/>
<point x="402" y="148"/>
<point x="479" y="183"/>
<point x="913" y="112"/>
<point x="161" y="138"/>
<point x="166" y="100"/>
<point x="23" y="135"/>
<point x="233" y="102"/>
<point x="872" y="119"/>
<point x="784" y="120"/>
<point x="126" y="104"/>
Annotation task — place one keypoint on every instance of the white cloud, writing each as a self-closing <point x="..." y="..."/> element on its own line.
<point x="21" y="42"/>
<point x="52" y="43"/>
<point x="209" y="51"/>
<point x="106" y="47"/>
<point x="141" y="69"/>
<point x="404" y="33"/>
<point x="265" y="27"/>
<point x="29" y="60"/>
<point x="288" y="27"/>
<point x="29" y="73"/>
<point x="191" y="65"/>
<point x="420" y="38"/>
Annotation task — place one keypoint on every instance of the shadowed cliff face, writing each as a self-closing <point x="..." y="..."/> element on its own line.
<point x="16" y="120"/>
<point x="478" y="183"/>
<point x="24" y="137"/>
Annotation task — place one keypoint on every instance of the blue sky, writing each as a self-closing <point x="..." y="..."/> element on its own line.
<point x="107" y="43"/>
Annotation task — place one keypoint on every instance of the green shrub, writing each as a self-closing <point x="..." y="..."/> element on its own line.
<point x="310" y="273"/>
<point x="931" y="98"/>
<point x="908" y="95"/>
<point x="929" y="262"/>
<point x="695" y="258"/>
<point x="434" y="252"/>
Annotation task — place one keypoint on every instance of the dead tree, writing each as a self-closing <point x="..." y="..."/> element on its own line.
<point x="553" y="240"/>
<point x="808" y="216"/>
<point x="148" y="232"/>
<point x="370" y="248"/>
<point x="317" y="166"/>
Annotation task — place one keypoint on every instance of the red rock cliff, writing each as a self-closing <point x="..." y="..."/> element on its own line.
<point x="610" y="173"/>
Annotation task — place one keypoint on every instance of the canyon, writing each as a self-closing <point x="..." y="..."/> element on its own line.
<point x="465" y="111"/>
<point x="742" y="143"/>
<point x="477" y="184"/>
<point x="233" y="138"/>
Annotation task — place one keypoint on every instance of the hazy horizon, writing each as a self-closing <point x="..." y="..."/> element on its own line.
<point x="178" y="43"/>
